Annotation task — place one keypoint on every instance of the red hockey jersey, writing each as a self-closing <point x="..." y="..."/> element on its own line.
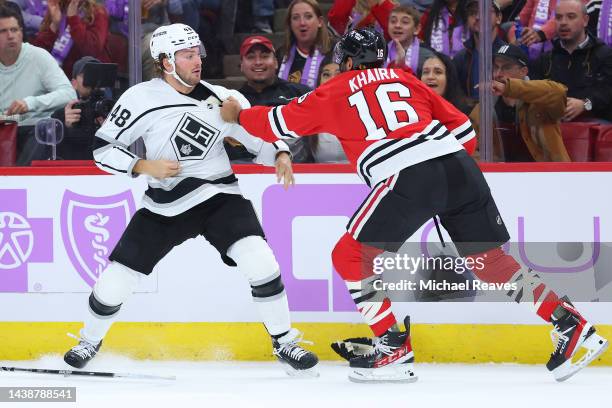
<point x="385" y="119"/>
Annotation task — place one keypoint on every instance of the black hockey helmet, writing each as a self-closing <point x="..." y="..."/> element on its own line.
<point x="365" y="46"/>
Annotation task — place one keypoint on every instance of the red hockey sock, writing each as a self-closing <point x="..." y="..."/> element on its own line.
<point x="354" y="263"/>
<point x="548" y="305"/>
<point x="499" y="267"/>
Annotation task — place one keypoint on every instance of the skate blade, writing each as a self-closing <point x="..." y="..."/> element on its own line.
<point x="295" y="373"/>
<point x="595" y="345"/>
<point x="400" y="373"/>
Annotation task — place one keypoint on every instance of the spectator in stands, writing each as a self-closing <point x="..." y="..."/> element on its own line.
<point x="306" y="44"/>
<point x="72" y="29"/>
<point x="201" y="15"/>
<point x="443" y="26"/>
<point x="405" y="49"/>
<point x="527" y="113"/>
<point x="33" y="12"/>
<point x="190" y="12"/>
<point x="31" y="83"/>
<point x="420" y="5"/>
<point x="330" y="70"/>
<point x="12" y="5"/>
<point x="79" y="130"/>
<point x="212" y="25"/>
<point x="346" y="15"/>
<point x="258" y="64"/>
<point x="325" y="147"/>
<point x="263" y="13"/>
<point x="117" y="40"/>
<point x="511" y="9"/>
<point x="467" y="60"/>
<point x="154" y="13"/>
<point x="581" y="62"/>
<point x="440" y="75"/>
<point x="118" y="13"/>
<point x="600" y="20"/>
<point x="538" y="27"/>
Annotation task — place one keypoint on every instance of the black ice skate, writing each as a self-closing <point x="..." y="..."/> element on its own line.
<point x="390" y="361"/>
<point x="296" y="360"/>
<point x="82" y="353"/>
<point x="571" y="332"/>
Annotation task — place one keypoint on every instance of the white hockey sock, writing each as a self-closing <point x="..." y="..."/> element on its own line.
<point x="113" y="287"/>
<point x="96" y="327"/>
<point x="274" y="312"/>
<point x="256" y="261"/>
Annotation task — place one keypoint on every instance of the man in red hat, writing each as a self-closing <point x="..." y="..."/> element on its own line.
<point x="259" y="65"/>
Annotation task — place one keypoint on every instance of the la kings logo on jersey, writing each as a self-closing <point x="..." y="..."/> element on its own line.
<point x="193" y="138"/>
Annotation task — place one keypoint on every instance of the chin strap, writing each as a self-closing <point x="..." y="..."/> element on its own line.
<point x="177" y="77"/>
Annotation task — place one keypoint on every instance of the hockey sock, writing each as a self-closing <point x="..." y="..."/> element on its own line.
<point x="354" y="263"/>
<point x="113" y="287"/>
<point x="257" y="262"/>
<point x="98" y="321"/>
<point x="273" y="307"/>
<point x="499" y="267"/>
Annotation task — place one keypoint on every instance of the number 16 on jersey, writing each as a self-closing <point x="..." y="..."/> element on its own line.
<point x="388" y="108"/>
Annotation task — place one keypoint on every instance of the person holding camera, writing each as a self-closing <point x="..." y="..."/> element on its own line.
<point x="79" y="128"/>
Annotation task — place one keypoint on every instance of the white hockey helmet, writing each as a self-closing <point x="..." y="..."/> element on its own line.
<point x="172" y="38"/>
<point x="169" y="39"/>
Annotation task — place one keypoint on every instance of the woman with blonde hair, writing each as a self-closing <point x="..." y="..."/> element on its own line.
<point x="307" y="43"/>
<point x="72" y="29"/>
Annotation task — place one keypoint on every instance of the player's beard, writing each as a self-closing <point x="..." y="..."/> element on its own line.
<point x="188" y="77"/>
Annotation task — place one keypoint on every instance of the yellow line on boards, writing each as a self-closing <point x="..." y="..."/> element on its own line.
<point x="439" y="343"/>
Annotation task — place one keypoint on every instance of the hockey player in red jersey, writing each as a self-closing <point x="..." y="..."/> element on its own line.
<point x="411" y="147"/>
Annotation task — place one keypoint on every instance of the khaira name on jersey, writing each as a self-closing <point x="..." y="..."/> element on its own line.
<point x="371" y="75"/>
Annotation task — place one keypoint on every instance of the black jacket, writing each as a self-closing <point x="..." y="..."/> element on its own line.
<point x="281" y="92"/>
<point x="78" y="140"/>
<point x="587" y="73"/>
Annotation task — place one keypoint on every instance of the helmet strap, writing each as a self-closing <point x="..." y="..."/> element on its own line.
<point x="176" y="76"/>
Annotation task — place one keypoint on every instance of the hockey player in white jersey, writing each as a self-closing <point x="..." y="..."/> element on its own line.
<point x="192" y="191"/>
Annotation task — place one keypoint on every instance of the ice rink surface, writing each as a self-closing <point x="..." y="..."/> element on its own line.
<point x="212" y="384"/>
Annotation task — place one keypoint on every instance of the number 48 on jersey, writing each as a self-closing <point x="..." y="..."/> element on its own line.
<point x="119" y="119"/>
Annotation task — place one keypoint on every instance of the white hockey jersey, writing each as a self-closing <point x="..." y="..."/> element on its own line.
<point x="177" y="127"/>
